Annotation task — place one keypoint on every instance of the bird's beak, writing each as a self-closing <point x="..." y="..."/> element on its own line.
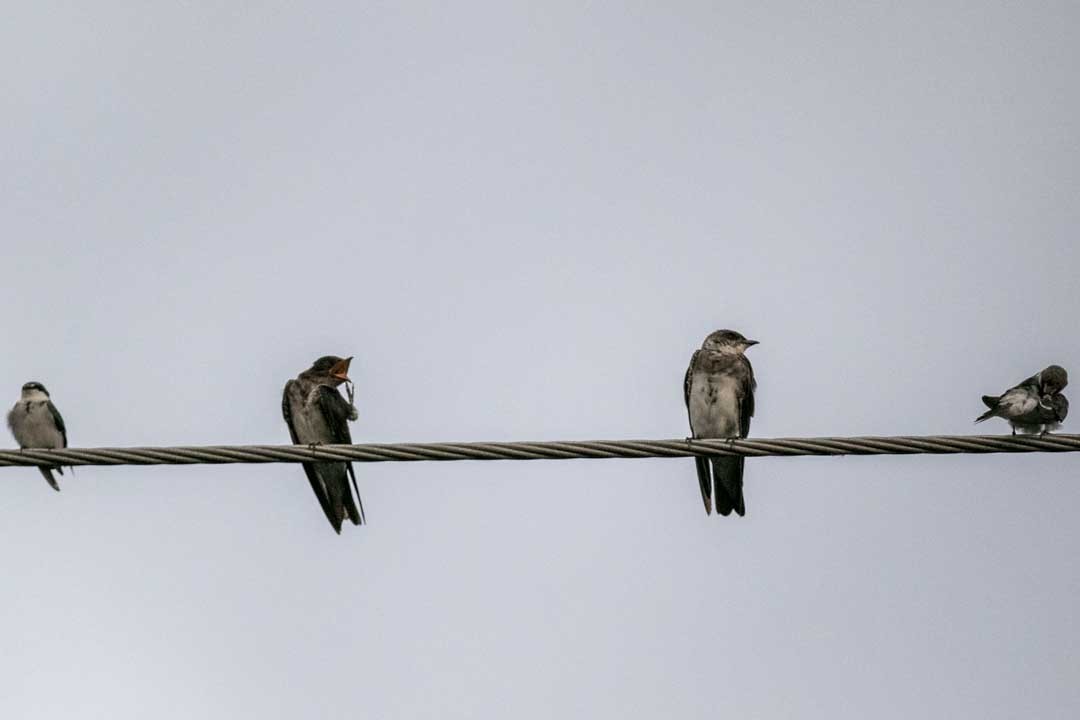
<point x="340" y="371"/>
<point x="751" y="343"/>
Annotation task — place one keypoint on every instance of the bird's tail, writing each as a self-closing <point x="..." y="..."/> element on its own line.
<point x="318" y="485"/>
<point x="992" y="403"/>
<point x="727" y="480"/>
<point x="340" y="500"/>
<point x="705" y="481"/>
<point x="355" y="508"/>
<point x="47" y="474"/>
<point x="356" y="514"/>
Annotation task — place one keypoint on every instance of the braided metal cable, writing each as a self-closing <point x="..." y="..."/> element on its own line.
<point x="598" y="449"/>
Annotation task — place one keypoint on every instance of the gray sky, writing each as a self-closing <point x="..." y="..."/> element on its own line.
<point x="522" y="221"/>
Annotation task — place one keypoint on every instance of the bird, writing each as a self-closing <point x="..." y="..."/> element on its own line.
<point x="1033" y="405"/>
<point x="719" y="392"/>
<point x="316" y="413"/>
<point x="36" y="423"/>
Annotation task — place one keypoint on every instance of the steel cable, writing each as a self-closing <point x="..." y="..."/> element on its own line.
<point x="599" y="449"/>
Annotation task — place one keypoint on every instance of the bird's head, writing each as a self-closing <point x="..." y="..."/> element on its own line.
<point x="1053" y="380"/>
<point x="333" y="369"/>
<point x="727" y="341"/>
<point x="34" y="390"/>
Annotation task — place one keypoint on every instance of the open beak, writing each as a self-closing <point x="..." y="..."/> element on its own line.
<point x="340" y="371"/>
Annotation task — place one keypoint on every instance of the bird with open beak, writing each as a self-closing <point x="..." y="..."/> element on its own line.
<point x="36" y="423"/>
<point x="719" y="392"/>
<point x="316" y="414"/>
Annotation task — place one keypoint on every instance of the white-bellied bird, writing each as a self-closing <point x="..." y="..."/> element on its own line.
<point x="719" y="393"/>
<point x="36" y="423"/>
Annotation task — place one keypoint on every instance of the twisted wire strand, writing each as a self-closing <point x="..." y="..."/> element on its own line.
<point x="565" y="450"/>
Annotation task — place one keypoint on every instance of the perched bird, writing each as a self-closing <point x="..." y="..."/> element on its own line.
<point x="36" y="423"/>
<point x="316" y="413"/>
<point x="719" y="393"/>
<point x="1034" y="405"/>
<point x="1026" y="411"/>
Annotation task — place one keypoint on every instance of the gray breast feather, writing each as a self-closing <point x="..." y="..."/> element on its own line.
<point x="307" y="421"/>
<point x="33" y="426"/>
<point x="714" y="405"/>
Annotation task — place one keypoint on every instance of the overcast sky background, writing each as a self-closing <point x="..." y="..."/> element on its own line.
<point x="522" y="220"/>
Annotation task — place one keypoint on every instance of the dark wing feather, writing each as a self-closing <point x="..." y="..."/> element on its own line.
<point x="746" y="401"/>
<point x="687" y="378"/>
<point x="286" y="412"/>
<point x="309" y="468"/>
<point x="1035" y="382"/>
<point x="58" y="421"/>
<point x="335" y="411"/>
<point x="701" y="464"/>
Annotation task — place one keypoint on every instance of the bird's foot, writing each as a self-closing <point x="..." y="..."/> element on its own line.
<point x="350" y="390"/>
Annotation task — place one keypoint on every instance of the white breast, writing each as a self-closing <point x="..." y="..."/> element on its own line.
<point x="33" y="427"/>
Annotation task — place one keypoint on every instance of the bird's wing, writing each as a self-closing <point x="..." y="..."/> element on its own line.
<point x="286" y="412"/>
<point x="1034" y="382"/>
<point x="58" y="421"/>
<point x="1018" y="401"/>
<point x="746" y="399"/>
<point x="335" y="411"/>
<point x="317" y="484"/>
<point x="688" y="378"/>
<point x="700" y="463"/>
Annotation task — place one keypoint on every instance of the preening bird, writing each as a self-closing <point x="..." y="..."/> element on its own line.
<point x="1035" y="405"/>
<point x="316" y="413"/>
